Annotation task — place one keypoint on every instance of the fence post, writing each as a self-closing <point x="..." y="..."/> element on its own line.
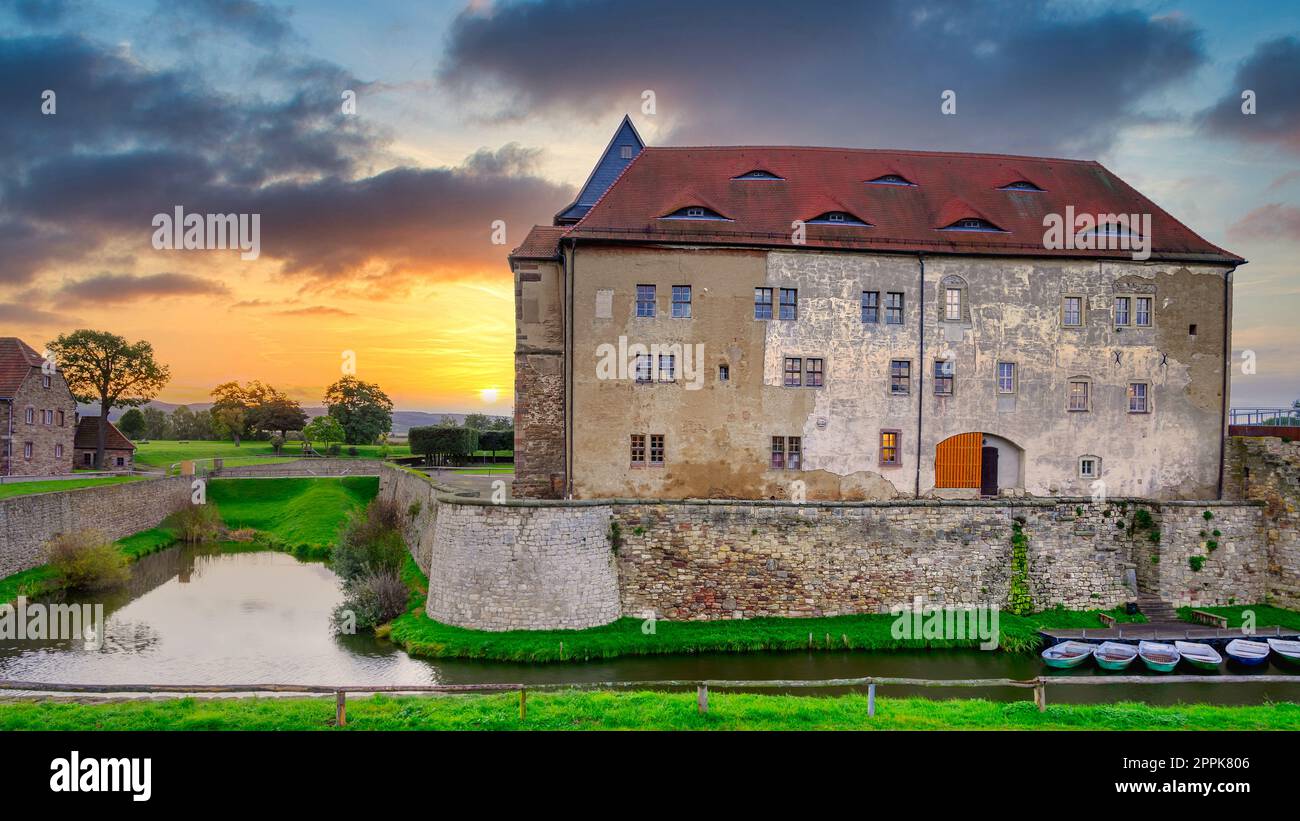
<point x="871" y="700"/>
<point x="340" y="708"/>
<point x="523" y="704"/>
<point x="702" y="697"/>
<point x="1040" y="695"/>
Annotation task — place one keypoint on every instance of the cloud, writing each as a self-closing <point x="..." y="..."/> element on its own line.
<point x="16" y="313"/>
<point x="256" y="22"/>
<point x="756" y="72"/>
<point x="1272" y="71"/>
<point x="118" y="288"/>
<point x="315" y="310"/>
<point x="1274" y="221"/>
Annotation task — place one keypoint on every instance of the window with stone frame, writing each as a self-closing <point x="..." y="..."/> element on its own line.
<point x="27" y="451"/>
<point x="814" y="372"/>
<point x="1080" y="391"/>
<point x="793" y="372"/>
<point x="944" y="373"/>
<point x="1139" y="397"/>
<point x="871" y="306"/>
<point x="1072" y="311"/>
<point x="1007" y="381"/>
<point x="1142" y="311"/>
<point x="638" y="449"/>
<point x="789" y="303"/>
<point x="656" y="450"/>
<point x="900" y="377"/>
<point x="30" y="416"/>
<point x="893" y="308"/>
<point x="890" y="449"/>
<point x="762" y="303"/>
<point x="1089" y="467"/>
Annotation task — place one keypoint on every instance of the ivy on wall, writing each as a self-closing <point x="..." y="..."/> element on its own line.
<point x="1019" y="601"/>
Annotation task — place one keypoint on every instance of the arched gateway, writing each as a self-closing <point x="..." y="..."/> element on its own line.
<point x="979" y="461"/>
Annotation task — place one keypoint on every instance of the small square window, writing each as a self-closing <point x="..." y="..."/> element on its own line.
<point x="762" y="303"/>
<point x="900" y="377"/>
<point x="645" y="300"/>
<point x="889" y="447"/>
<point x="724" y="373"/>
<point x="694" y="212"/>
<point x="625" y="152"/>
<point x="871" y="306"/>
<point x="789" y="303"/>
<point x="793" y="372"/>
<point x="1088" y="467"/>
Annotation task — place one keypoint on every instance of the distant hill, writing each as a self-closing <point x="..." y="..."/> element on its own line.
<point x="403" y="421"/>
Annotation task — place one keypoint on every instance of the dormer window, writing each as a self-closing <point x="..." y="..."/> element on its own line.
<point x="973" y="224"/>
<point x="891" y="179"/>
<point x="836" y="218"/>
<point x="1112" y="229"/>
<point x="1020" y="185"/>
<point x="625" y="152"/>
<point x="694" y="212"/>
<point x="758" y="174"/>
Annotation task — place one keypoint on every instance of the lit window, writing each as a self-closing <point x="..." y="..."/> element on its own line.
<point x="681" y="302"/>
<point x="1143" y="314"/>
<point x="900" y="377"/>
<point x="814" y="372"/>
<point x="645" y="300"/>
<point x="1079" y="395"/>
<point x="789" y="303"/>
<point x="952" y="304"/>
<point x="893" y="308"/>
<point x="793" y="371"/>
<point x="762" y="303"/>
<point x="656" y="449"/>
<point x="889" y="447"/>
<point x="870" y="306"/>
<point x="1121" y="310"/>
<point x="1137" y="398"/>
<point x="944" y="369"/>
<point x="1072" y="311"/>
<point x="1006" y="377"/>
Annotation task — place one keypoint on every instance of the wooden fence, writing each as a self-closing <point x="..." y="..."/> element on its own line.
<point x="1038" y="684"/>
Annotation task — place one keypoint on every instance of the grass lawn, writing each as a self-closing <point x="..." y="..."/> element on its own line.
<point x="293" y="511"/>
<point x="161" y="453"/>
<point x="1265" y="615"/>
<point x="572" y="710"/>
<point x="10" y="489"/>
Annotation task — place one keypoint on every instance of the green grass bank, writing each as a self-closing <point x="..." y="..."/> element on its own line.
<point x="11" y="489"/>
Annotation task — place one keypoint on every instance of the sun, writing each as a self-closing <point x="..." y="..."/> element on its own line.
<point x="489" y="395"/>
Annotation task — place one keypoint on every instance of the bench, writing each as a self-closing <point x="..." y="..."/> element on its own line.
<point x="1107" y="620"/>
<point x="1213" y="620"/>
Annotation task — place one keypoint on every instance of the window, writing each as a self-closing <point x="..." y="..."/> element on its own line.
<point x="61" y="419"/>
<point x="1142" y="316"/>
<point x="27" y="451"/>
<point x="900" y="377"/>
<point x="889" y="447"/>
<point x="45" y="380"/>
<point x="89" y="459"/>
<point x="1072" y="310"/>
<point x="1021" y="185"/>
<point x="625" y="152"/>
<point x="793" y="371"/>
<point x="121" y="461"/>
<point x="1121" y="310"/>
<point x="1138" y="401"/>
<point x="656" y="449"/>
<point x="893" y="308"/>
<point x="890" y="179"/>
<point x="681" y="302"/>
<point x="643" y="368"/>
<point x="1089" y="467"/>
<point x="837" y="218"/>
<point x="31" y="416"/>
<point x="814" y="373"/>
<point x="1191" y="329"/>
<point x="952" y="304"/>
<point x="1006" y="377"/>
<point x="943" y="374"/>
<point x="762" y="303"/>
<point x="638" y="449"/>
<point x="778" y="453"/>
<point x="972" y="224"/>
<point x="789" y="303"/>
<point x="870" y="306"/>
<point x="667" y="367"/>
<point x="695" y="212"/>
<point x="758" y="174"/>
<point x="793" y="452"/>
<point x="724" y="373"/>
<point x="645" y="300"/>
<point x="58" y="451"/>
<point x="1079" y="389"/>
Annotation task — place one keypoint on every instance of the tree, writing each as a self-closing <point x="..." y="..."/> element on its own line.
<point x="323" y="429"/>
<point x="132" y="424"/>
<point x="495" y="440"/>
<point x="186" y="424"/>
<point x="157" y="425"/>
<point x="364" y="411"/>
<point x="477" y="421"/>
<point x="104" y="367"/>
<point x="230" y="421"/>
<point x="443" y="441"/>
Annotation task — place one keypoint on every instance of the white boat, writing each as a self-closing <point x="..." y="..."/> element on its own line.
<point x="1288" y="651"/>
<point x="1112" y="655"/>
<point x="1157" y="656"/>
<point x="1199" y="655"/>
<point x="1250" y="653"/>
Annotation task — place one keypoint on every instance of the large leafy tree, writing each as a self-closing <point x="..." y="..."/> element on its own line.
<point x="254" y="406"/>
<point x="103" y="367"/>
<point x="157" y="425"/>
<point x="132" y="423"/>
<point x="364" y="411"/>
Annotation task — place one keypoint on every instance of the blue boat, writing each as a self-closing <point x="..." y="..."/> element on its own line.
<point x="1249" y="653"/>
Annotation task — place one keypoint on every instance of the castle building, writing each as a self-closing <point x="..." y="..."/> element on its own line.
<point x="765" y="322"/>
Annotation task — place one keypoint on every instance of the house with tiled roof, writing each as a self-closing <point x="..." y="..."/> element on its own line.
<point x="119" y="452"/>
<point x="37" y="413"/>
<point x="772" y="322"/>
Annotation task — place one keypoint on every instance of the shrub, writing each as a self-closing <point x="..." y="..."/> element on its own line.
<point x="334" y="449"/>
<point x="1209" y="514"/>
<point x="1142" y="519"/>
<point x="443" y="441"/>
<point x="352" y="451"/>
<point x="1196" y="563"/>
<point x="373" y="598"/>
<point x="414" y="509"/>
<point x="370" y="541"/>
<point x="1211" y="545"/>
<point x="198" y="523"/>
<point x="86" y="560"/>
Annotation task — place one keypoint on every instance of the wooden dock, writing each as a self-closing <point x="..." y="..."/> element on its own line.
<point x="1166" y="632"/>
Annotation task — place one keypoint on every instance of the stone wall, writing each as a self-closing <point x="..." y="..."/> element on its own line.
<point x="28" y="522"/>
<point x="304" y="467"/>
<point x="1267" y="469"/>
<point x="1230" y="544"/>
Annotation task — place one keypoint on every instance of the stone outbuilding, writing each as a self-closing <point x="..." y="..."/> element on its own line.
<point x="119" y="453"/>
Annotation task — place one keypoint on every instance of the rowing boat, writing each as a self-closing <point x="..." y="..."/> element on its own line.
<point x="1067" y="654"/>
<point x="1288" y="651"/>
<point x="1201" y="656"/>
<point x="1159" y="657"/>
<point x="1111" y="655"/>
<point x="1249" y="653"/>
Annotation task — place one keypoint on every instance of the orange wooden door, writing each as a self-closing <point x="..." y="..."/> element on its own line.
<point x="957" y="461"/>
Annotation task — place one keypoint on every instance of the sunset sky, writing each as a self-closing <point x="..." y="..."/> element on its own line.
<point x="376" y="226"/>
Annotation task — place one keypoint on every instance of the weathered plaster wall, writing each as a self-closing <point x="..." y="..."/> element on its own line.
<point x="28" y="522"/>
<point x="718" y="438"/>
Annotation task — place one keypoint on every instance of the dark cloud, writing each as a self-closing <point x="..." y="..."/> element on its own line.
<point x="16" y="313"/>
<point x="39" y="12"/>
<point x="758" y="71"/>
<point x="109" y="288"/>
<point x="1273" y="221"/>
<point x="1272" y="71"/>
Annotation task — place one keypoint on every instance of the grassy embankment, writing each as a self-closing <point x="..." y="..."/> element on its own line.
<point x="165" y="453"/>
<point x="41" y="580"/>
<point x="11" y="489"/>
<point x="571" y="710"/>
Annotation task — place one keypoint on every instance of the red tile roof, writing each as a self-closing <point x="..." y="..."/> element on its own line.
<point x="543" y="242"/>
<point x="945" y="187"/>
<point x="16" y="361"/>
<point x="87" y="437"/>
